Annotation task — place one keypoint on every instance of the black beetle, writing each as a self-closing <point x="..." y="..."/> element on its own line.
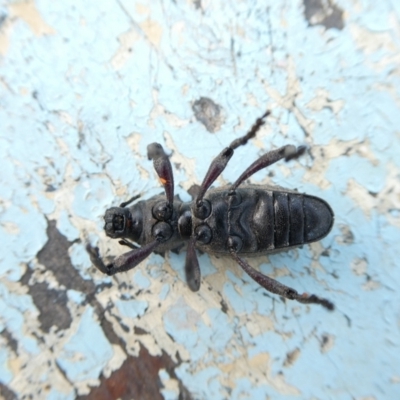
<point x="247" y="221"/>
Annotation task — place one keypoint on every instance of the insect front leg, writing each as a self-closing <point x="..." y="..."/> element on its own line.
<point x="163" y="167"/>
<point x="278" y="288"/>
<point x="124" y="262"/>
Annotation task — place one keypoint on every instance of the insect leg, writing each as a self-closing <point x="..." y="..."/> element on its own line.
<point x="220" y="162"/>
<point x="192" y="268"/>
<point x="125" y="203"/>
<point x="125" y="242"/>
<point x="124" y="262"/>
<point x="288" y="152"/>
<point x="162" y="165"/>
<point x="278" y="288"/>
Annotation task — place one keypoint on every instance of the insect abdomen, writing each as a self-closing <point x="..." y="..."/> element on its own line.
<point x="286" y="219"/>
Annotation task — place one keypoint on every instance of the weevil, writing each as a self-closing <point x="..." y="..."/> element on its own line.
<point x="238" y="221"/>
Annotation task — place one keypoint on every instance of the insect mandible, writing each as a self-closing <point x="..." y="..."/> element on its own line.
<point x="239" y="220"/>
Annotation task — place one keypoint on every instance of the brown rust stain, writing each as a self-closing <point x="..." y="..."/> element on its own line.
<point x="138" y="378"/>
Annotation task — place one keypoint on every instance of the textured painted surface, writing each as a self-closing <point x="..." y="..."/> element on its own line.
<point x="85" y="86"/>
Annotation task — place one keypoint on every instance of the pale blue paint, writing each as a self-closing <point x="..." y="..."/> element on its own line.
<point x="65" y="227"/>
<point x="91" y="196"/>
<point x="204" y="384"/>
<point x="164" y="292"/>
<point x="22" y="246"/>
<point x="56" y="395"/>
<point x="198" y="337"/>
<point x="131" y="308"/>
<point x="5" y="374"/>
<point x="13" y="309"/>
<point x="239" y="302"/>
<point x="362" y="171"/>
<point x="167" y="393"/>
<point x="86" y="353"/>
<point x="80" y="260"/>
<point x="141" y="280"/>
<point x="75" y="296"/>
<point x="245" y="390"/>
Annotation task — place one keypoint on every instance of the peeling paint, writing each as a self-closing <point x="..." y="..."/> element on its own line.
<point x="323" y="12"/>
<point x="85" y="87"/>
<point x="208" y="113"/>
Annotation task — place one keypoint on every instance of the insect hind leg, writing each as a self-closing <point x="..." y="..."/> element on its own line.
<point x="219" y="163"/>
<point x="278" y="288"/>
<point x="288" y="152"/>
